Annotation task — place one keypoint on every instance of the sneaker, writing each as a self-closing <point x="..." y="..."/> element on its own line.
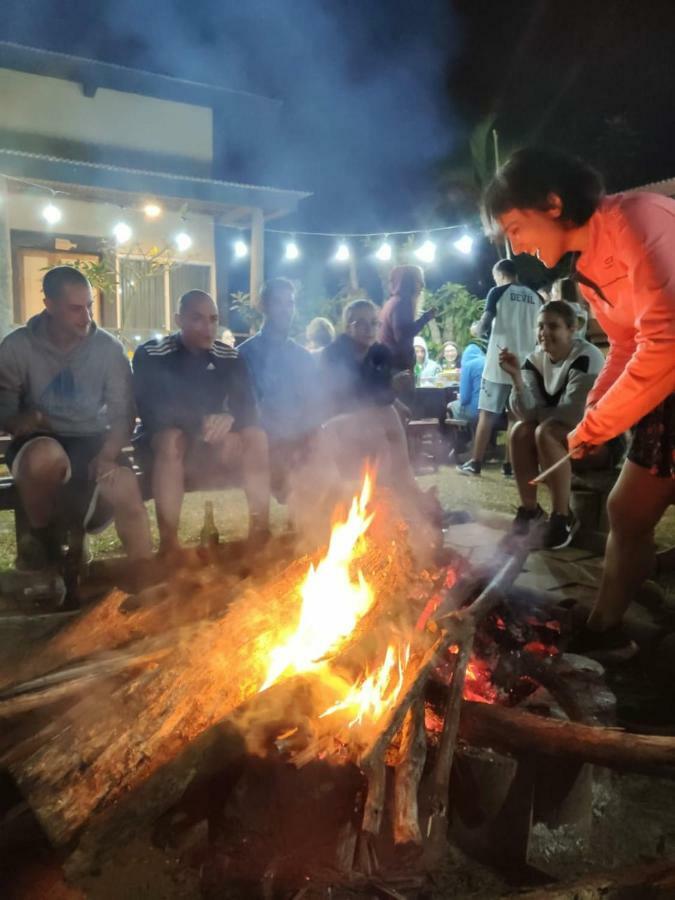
<point x="507" y="470"/>
<point x="470" y="467"/>
<point x="525" y="519"/>
<point x="560" y="531"/>
<point x="612" y="645"/>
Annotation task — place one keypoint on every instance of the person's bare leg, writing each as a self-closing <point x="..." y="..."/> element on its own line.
<point x="510" y="422"/>
<point x="131" y="518"/>
<point x="256" y="473"/>
<point x="483" y="433"/>
<point x="551" y="437"/>
<point x="525" y="461"/>
<point x="168" y="484"/>
<point x="635" y="506"/>
<point x="42" y="470"/>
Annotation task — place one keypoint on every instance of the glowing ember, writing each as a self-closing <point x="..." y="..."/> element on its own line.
<point x="378" y="692"/>
<point x="478" y="682"/>
<point x="333" y="601"/>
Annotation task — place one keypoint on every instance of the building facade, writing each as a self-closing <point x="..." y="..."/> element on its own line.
<point x="124" y="174"/>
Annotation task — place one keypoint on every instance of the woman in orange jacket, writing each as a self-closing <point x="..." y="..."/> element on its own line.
<point x="548" y="204"/>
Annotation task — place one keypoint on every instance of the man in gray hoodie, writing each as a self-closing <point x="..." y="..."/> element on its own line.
<point x="67" y="400"/>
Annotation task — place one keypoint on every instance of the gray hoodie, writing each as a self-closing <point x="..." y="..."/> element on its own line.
<point x="81" y="392"/>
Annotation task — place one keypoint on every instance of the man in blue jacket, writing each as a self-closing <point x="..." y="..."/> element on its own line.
<point x="471" y="374"/>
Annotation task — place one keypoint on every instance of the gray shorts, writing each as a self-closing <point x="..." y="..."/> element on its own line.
<point x="493" y="397"/>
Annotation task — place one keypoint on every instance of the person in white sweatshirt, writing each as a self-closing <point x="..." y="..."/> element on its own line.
<point x="548" y="400"/>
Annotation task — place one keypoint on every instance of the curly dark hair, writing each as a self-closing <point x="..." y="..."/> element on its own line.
<point x="531" y="175"/>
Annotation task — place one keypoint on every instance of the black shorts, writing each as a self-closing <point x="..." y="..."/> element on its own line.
<point x="83" y="497"/>
<point x="80" y="450"/>
<point x="653" y="442"/>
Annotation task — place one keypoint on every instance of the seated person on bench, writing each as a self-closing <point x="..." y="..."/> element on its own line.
<point x="198" y="418"/>
<point x="284" y="376"/>
<point x="357" y="374"/>
<point x="548" y="401"/>
<point x="66" y="398"/>
<point x="470" y="378"/>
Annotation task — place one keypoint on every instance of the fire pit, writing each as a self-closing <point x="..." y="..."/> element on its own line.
<point x="316" y="705"/>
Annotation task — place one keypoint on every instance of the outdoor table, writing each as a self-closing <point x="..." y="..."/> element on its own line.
<point x="432" y="402"/>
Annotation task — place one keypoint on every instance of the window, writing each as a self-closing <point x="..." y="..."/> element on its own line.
<point x="148" y="300"/>
<point x="141" y="296"/>
<point x="188" y="277"/>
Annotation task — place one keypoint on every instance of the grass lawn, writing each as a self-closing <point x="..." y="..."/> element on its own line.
<point x="491" y="492"/>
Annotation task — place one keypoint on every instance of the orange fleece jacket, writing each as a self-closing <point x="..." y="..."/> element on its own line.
<point x="631" y="259"/>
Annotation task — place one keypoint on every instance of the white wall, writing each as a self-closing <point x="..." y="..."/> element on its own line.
<point x="56" y="108"/>
<point x="99" y="219"/>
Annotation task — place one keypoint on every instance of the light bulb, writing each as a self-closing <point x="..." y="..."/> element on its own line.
<point x="464" y="244"/>
<point x="152" y="210"/>
<point x="426" y="252"/>
<point x="342" y="253"/>
<point x="122" y="232"/>
<point x="183" y="241"/>
<point x="51" y="214"/>
<point x="292" y="250"/>
<point x="240" y="249"/>
<point x="383" y="252"/>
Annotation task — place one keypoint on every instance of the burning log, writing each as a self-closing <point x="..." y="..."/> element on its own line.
<point x="407" y="775"/>
<point x="131" y="745"/>
<point x="515" y="730"/>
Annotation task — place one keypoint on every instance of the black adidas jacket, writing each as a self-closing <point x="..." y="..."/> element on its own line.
<point x="175" y="388"/>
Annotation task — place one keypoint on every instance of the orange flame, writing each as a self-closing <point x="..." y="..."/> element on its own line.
<point x="376" y="693"/>
<point x="333" y="601"/>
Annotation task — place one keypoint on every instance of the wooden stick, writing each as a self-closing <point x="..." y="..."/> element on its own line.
<point x="652" y="879"/>
<point x="407" y="775"/>
<point x="487" y="725"/>
<point x="440" y="783"/>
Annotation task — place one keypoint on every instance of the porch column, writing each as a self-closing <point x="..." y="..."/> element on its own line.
<point x="6" y="285"/>
<point x="257" y="275"/>
<point x="221" y="252"/>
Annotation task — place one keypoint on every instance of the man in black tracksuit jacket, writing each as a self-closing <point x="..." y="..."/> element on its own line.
<point x="199" y="418"/>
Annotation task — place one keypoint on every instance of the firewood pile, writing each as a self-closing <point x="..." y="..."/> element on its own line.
<point x="332" y="687"/>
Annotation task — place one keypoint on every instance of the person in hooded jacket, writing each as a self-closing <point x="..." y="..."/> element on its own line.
<point x="470" y="378"/>
<point x="66" y="398"/>
<point x="426" y="368"/>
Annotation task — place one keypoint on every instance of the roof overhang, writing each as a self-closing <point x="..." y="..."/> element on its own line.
<point x="93" y="74"/>
<point x="229" y="203"/>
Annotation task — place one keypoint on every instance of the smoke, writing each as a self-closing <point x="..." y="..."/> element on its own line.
<point x="364" y="112"/>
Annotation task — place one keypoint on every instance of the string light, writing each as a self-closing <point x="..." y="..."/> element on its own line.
<point x="342" y="253"/>
<point x="292" y="250"/>
<point x="240" y="249"/>
<point x="183" y="241"/>
<point x="426" y="252"/>
<point x="464" y="244"/>
<point x="383" y="252"/>
<point x="122" y="232"/>
<point x="51" y="214"/>
<point x="152" y="210"/>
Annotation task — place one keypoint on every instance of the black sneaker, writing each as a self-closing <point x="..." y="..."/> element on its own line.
<point x="525" y="519"/>
<point x="470" y="467"/>
<point x="507" y="470"/>
<point x="560" y="531"/>
<point x="612" y="645"/>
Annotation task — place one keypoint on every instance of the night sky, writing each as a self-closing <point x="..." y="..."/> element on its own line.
<point x="382" y="96"/>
